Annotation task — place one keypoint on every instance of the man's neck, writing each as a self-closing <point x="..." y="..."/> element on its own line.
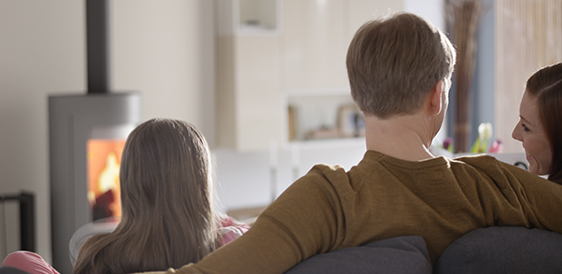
<point x="405" y="137"/>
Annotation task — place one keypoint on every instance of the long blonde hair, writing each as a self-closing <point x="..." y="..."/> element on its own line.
<point x="168" y="218"/>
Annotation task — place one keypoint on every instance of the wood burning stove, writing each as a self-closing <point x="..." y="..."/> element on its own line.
<point x="87" y="134"/>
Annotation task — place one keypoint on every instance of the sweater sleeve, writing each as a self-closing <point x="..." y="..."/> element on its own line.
<point x="541" y="200"/>
<point x="305" y="220"/>
<point x="537" y="200"/>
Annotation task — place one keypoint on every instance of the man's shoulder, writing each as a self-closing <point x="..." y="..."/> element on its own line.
<point x="326" y="173"/>
<point x="495" y="168"/>
<point x="483" y="161"/>
<point x="327" y="168"/>
<point x="475" y="159"/>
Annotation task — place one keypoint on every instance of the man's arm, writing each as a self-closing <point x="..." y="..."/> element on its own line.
<point x="543" y="200"/>
<point x="537" y="200"/>
<point x="304" y="221"/>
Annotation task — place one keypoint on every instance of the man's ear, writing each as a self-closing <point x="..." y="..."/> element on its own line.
<point x="435" y="98"/>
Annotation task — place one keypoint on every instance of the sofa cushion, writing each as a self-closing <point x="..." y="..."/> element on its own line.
<point x="406" y="254"/>
<point x="503" y="250"/>
<point x="11" y="270"/>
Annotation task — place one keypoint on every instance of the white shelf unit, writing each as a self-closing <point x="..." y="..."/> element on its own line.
<point x="329" y="143"/>
<point x="258" y="17"/>
<point x="275" y="53"/>
<point x="249" y="17"/>
<point x="248" y="97"/>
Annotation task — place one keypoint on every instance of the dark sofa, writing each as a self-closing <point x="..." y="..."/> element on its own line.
<point x="495" y="250"/>
<point x="485" y="250"/>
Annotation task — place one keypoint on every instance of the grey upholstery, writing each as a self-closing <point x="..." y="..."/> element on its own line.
<point x="406" y="254"/>
<point x="11" y="270"/>
<point x="503" y="250"/>
<point x="496" y="250"/>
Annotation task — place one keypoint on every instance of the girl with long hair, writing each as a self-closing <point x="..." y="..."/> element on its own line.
<point x="167" y="198"/>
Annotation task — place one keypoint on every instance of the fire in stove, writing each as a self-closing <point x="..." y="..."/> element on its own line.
<point x="104" y="159"/>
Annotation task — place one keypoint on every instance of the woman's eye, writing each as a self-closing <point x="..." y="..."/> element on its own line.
<point x="525" y="128"/>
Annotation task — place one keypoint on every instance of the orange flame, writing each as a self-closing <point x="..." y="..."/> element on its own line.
<point x="104" y="158"/>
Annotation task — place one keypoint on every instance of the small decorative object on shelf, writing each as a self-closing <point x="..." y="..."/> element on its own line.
<point x="496" y="146"/>
<point x="448" y="144"/>
<point x="292" y="121"/>
<point x="351" y="122"/>
<point x="484" y="135"/>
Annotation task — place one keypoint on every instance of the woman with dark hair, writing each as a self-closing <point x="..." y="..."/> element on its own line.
<point x="168" y="214"/>
<point x="540" y="126"/>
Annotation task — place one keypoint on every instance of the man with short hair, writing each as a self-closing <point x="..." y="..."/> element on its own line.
<point x="399" y="70"/>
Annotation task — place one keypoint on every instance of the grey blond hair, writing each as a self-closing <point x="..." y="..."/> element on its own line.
<point x="394" y="62"/>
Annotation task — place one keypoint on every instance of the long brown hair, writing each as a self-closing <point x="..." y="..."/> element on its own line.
<point x="168" y="218"/>
<point x="546" y="86"/>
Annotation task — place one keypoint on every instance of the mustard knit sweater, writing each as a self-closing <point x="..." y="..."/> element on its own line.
<point x="383" y="197"/>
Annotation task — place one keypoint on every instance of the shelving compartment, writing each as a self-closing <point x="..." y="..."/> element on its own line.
<point x="321" y="115"/>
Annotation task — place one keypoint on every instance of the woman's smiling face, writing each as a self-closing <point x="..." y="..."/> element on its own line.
<point x="530" y="131"/>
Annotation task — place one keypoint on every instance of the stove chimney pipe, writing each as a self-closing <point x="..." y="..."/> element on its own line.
<point x="97" y="46"/>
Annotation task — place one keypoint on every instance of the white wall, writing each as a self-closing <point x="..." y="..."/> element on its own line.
<point x="41" y="52"/>
<point x="163" y="49"/>
<point x="430" y="10"/>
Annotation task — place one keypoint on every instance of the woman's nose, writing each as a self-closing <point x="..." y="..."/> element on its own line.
<point x="515" y="134"/>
